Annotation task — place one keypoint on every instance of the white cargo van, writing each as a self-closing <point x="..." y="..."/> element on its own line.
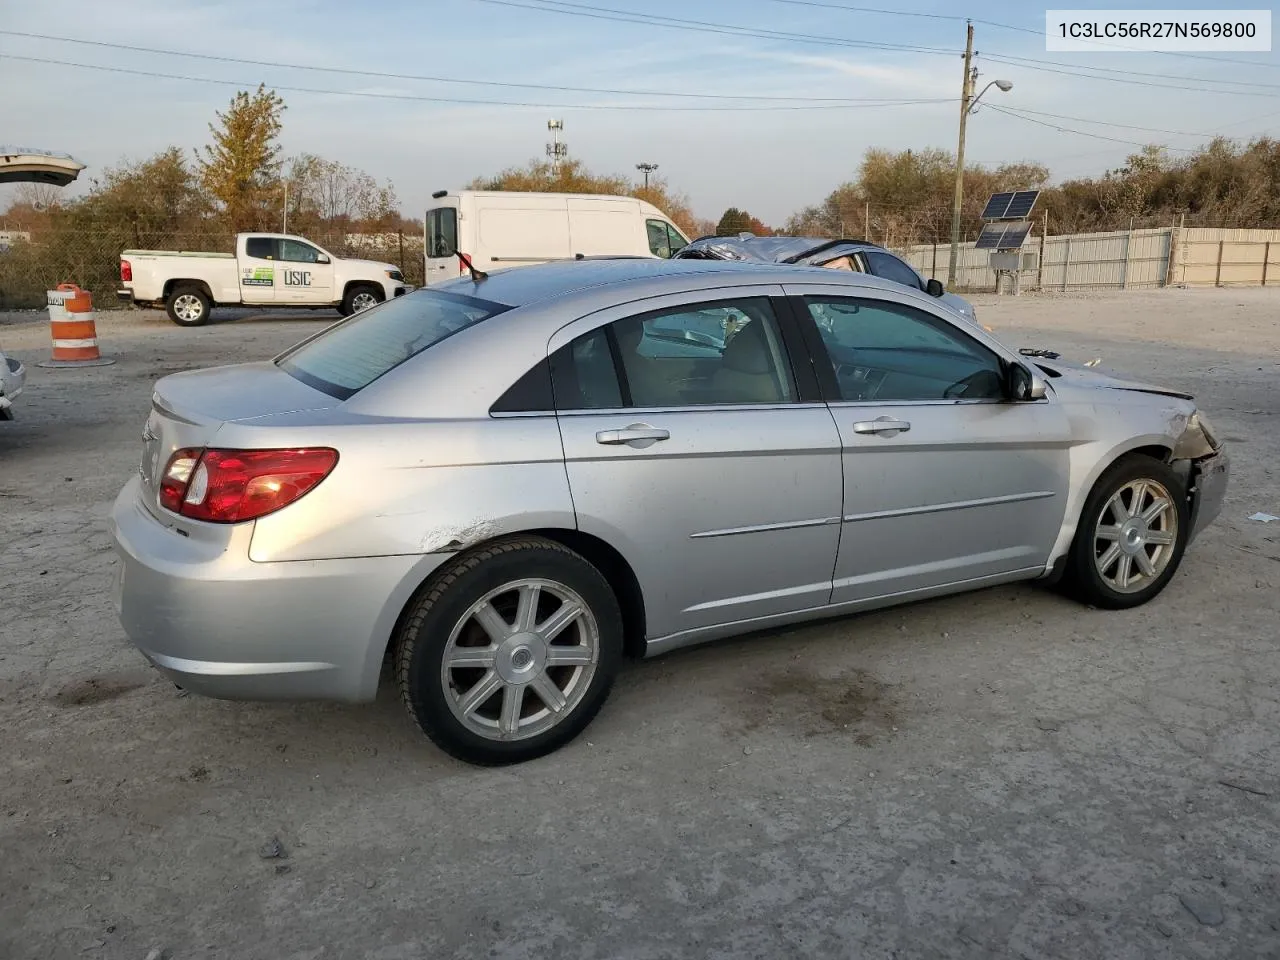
<point x="499" y="230"/>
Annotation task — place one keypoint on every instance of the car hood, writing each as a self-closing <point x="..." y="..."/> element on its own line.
<point x="371" y="265"/>
<point x="1076" y="374"/>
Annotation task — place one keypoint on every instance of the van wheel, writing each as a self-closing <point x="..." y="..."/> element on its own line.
<point x="510" y="652"/>
<point x="188" y="305"/>
<point x="1131" y="536"/>
<point x="362" y="296"/>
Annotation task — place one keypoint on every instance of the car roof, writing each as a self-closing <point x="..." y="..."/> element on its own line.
<point x="641" y="277"/>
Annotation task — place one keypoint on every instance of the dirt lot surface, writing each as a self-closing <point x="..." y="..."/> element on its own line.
<point x="1003" y="774"/>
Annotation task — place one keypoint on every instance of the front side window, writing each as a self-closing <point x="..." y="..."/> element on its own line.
<point x="676" y="241"/>
<point x="891" y="268"/>
<point x="659" y="239"/>
<point x="714" y="353"/>
<point x="295" y="251"/>
<point x="353" y="353"/>
<point x="442" y="232"/>
<point x="887" y="351"/>
<point x="260" y="248"/>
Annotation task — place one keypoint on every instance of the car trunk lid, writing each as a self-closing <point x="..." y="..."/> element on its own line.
<point x="188" y="409"/>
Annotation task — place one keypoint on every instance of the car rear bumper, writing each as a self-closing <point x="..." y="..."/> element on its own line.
<point x="125" y="296"/>
<point x="13" y="378"/>
<point x="221" y="625"/>
<point x="1209" y="476"/>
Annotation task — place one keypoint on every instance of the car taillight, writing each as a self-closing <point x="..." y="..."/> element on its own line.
<point x="231" y="486"/>
<point x="126" y="270"/>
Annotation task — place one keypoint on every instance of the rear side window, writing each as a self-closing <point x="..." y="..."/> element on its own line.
<point x="442" y="232"/>
<point x="352" y="354"/>
<point x="891" y="268"/>
<point x="260" y="248"/>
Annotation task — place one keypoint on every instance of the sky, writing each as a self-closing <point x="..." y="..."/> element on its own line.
<point x="769" y="161"/>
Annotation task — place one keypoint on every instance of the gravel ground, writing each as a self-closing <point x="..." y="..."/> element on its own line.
<point x="999" y="774"/>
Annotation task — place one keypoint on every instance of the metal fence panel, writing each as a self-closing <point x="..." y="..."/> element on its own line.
<point x="1212" y="257"/>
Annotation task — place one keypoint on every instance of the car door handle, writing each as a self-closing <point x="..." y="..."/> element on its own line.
<point x="885" y="425"/>
<point x="637" y="433"/>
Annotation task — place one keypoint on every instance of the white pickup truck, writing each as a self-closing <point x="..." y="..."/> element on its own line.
<point x="267" y="270"/>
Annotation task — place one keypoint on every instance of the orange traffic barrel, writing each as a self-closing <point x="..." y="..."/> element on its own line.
<point x="75" y="334"/>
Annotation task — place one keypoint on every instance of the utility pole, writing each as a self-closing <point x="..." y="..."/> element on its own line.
<point x="285" y="228"/>
<point x="646" y="168"/>
<point x="966" y="96"/>
<point x="556" y="150"/>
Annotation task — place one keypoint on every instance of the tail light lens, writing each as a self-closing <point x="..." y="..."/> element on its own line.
<point x="231" y="486"/>
<point x="126" y="270"/>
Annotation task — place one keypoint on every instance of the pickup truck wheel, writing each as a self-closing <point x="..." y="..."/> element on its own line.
<point x="360" y="297"/>
<point x="188" y="306"/>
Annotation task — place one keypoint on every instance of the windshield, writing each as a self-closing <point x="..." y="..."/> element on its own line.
<point x="350" y="355"/>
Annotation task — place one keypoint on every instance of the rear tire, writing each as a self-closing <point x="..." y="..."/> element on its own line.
<point x="188" y="305"/>
<point x="1132" y="534"/>
<point x="510" y="651"/>
<point x="362" y="296"/>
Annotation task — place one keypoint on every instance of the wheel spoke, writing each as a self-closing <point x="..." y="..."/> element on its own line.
<point x="527" y="611"/>
<point x="512" y="704"/>
<point x="461" y="657"/>
<point x="492" y="623"/>
<point x="1123" y="570"/>
<point x="1139" y="488"/>
<point x="548" y="692"/>
<point x="1144" y="563"/>
<point x="559" y="656"/>
<point x="1108" y="558"/>
<point x="1162" y="538"/>
<point x="555" y="624"/>
<point x="482" y="691"/>
<point x="1155" y="510"/>
<point x="1108" y="532"/>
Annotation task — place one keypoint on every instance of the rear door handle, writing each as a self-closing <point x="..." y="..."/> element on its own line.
<point x="639" y="434"/>
<point x="887" y="426"/>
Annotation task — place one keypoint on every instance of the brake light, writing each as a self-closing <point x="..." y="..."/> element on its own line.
<point x="126" y="270"/>
<point x="231" y="486"/>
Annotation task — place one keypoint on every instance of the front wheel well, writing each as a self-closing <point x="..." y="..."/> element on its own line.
<point x="371" y="284"/>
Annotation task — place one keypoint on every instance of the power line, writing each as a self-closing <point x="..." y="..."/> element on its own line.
<point x="1007" y="58"/>
<point x="701" y="26"/>
<point x="471" y="102"/>
<point x="625" y="16"/>
<point x="408" y="76"/>
<point x="908" y="13"/>
<point x="1034" y="65"/>
<point x="1085" y="133"/>
<point x="1005" y="108"/>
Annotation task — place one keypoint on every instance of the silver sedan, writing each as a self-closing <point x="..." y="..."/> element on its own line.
<point x="504" y="485"/>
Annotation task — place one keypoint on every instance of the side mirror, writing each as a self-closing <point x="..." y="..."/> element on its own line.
<point x="321" y="258"/>
<point x="1024" y="386"/>
<point x="934" y="288"/>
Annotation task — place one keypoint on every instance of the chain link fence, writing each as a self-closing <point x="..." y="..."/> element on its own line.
<point x="35" y="261"/>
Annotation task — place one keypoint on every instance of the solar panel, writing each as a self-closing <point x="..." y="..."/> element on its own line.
<point x="996" y="206"/>
<point x="1010" y="206"/>
<point x="1003" y="236"/>
<point x="1014" y="235"/>
<point x="1021" y="204"/>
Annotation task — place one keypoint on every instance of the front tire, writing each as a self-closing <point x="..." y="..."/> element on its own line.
<point x="188" y="306"/>
<point x="1132" y="534"/>
<point x="362" y="296"/>
<point x="510" y="651"/>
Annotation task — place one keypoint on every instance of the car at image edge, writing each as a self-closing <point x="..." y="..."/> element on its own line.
<point x="505" y="485"/>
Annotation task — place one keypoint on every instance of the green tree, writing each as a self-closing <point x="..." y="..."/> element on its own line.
<point x="733" y="221"/>
<point x="240" y="169"/>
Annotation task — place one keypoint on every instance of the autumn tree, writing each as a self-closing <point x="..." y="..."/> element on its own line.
<point x="327" y="194"/>
<point x="240" y="169"/>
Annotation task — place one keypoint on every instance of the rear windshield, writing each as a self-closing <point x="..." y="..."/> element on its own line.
<point x="352" y="354"/>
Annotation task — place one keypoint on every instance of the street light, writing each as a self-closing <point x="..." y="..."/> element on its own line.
<point x="968" y="102"/>
<point x="647" y="168"/>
